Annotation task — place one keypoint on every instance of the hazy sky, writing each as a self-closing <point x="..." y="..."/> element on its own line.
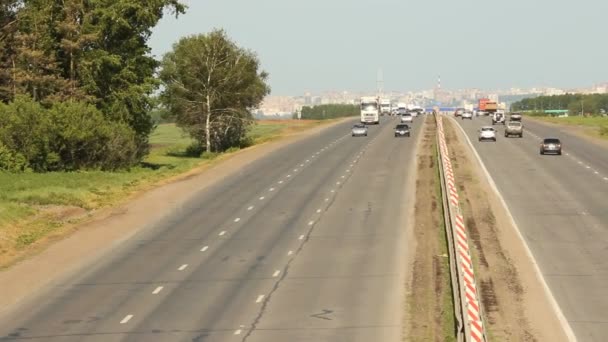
<point x="317" y="45"/>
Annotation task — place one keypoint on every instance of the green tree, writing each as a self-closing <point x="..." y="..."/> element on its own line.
<point x="211" y="85"/>
<point x="8" y="30"/>
<point x="119" y="70"/>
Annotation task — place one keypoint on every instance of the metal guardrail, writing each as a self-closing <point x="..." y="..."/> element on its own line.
<point x="467" y="307"/>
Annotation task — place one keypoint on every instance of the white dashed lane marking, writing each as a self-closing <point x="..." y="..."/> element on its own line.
<point x="260" y="299"/>
<point x="237" y="219"/>
<point x="126" y="319"/>
<point x="271" y="189"/>
<point x="290" y="253"/>
<point x="204" y="249"/>
<point x="222" y="233"/>
<point x="250" y="208"/>
<point x="301" y="237"/>
<point x="262" y="198"/>
<point x="182" y="267"/>
<point x="238" y="332"/>
<point x="276" y="273"/>
<point x="280" y="182"/>
<point x="157" y="290"/>
<point x="311" y="223"/>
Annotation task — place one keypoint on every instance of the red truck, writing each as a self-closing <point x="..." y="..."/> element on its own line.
<point x="486" y="105"/>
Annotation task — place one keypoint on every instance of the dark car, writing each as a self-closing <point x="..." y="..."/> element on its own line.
<point x="402" y="130"/>
<point x="551" y="145"/>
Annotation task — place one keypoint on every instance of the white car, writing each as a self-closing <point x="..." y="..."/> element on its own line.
<point x="407" y="118"/>
<point x="467" y="115"/>
<point x="487" y="133"/>
<point x="359" y="130"/>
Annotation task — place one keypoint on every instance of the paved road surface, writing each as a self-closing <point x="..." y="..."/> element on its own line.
<point x="560" y="204"/>
<point x="306" y="244"/>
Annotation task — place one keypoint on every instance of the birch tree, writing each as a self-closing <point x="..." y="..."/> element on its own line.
<point x="211" y="85"/>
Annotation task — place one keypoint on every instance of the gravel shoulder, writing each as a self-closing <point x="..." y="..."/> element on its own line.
<point x="62" y="256"/>
<point x="515" y="305"/>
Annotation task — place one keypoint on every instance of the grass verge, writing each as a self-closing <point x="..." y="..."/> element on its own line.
<point x="430" y="313"/>
<point x="36" y="205"/>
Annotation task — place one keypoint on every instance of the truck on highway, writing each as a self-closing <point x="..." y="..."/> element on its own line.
<point x="385" y="107"/>
<point x="370" y="110"/>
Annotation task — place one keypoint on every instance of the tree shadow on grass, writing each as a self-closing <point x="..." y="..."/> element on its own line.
<point x="156" y="166"/>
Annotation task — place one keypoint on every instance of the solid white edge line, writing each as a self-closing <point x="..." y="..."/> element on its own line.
<point x="259" y="299"/>
<point x="126" y="319"/>
<point x="157" y="290"/>
<point x="558" y="311"/>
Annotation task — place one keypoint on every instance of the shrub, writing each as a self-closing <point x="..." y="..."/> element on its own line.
<point x="11" y="161"/>
<point x="24" y="130"/>
<point x="67" y="136"/>
<point x="604" y="130"/>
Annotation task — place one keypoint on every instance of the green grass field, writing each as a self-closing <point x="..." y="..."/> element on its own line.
<point x="31" y="203"/>
<point x="595" y="125"/>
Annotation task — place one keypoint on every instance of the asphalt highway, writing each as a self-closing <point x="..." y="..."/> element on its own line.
<point x="560" y="204"/>
<point x="306" y="244"/>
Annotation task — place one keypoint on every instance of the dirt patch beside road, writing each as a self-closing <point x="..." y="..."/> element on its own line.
<point x="514" y="304"/>
<point x="430" y="315"/>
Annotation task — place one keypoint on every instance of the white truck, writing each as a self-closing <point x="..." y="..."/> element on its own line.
<point x="370" y="110"/>
<point x="385" y="107"/>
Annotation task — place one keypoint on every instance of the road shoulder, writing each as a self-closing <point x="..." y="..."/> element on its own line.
<point x="583" y="132"/>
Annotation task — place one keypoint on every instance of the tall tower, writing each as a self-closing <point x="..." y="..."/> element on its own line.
<point x="380" y="83"/>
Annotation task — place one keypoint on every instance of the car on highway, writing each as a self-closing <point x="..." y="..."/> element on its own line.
<point x="459" y="112"/>
<point x="551" y="145"/>
<point x="359" y="130"/>
<point x="514" y="128"/>
<point x="467" y="115"/>
<point x="515" y="116"/>
<point x="407" y="117"/>
<point x="402" y="130"/>
<point x="487" y="133"/>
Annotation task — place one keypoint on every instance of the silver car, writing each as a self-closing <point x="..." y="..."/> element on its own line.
<point x="514" y="128"/>
<point x="467" y="115"/>
<point x="359" y="130"/>
<point x="487" y="133"/>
